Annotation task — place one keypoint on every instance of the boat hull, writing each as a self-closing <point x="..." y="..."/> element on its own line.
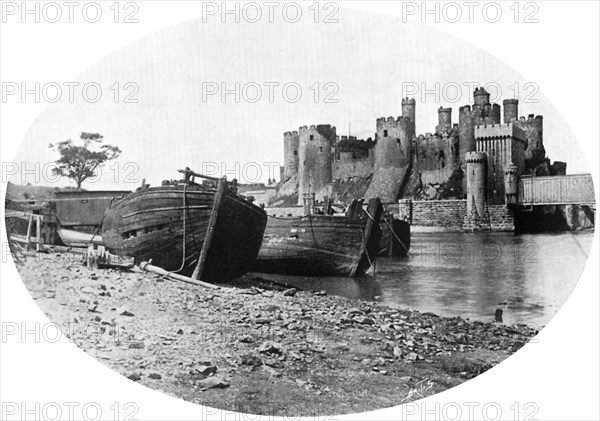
<point x="395" y="239"/>
<point x="168" y="225"/>
<point x="74" y="238"/>
<point x="318" y="245"/>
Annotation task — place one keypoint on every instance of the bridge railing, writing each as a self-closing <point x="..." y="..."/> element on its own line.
<point x="556" y="190"/>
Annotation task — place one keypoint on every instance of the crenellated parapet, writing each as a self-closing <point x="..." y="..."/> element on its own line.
<point x="499" y="131"/>
<point x="389" y="122"/>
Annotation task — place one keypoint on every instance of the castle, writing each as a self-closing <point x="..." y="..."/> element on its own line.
<point x="476" y="158"/>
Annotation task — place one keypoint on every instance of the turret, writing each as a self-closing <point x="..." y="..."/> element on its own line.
<point x="408" y="108"/>
<point x="481" y="97"/>
<point x="476" y="184"/>
<point x="444" y="120"/>
<point x="511" y="110"/>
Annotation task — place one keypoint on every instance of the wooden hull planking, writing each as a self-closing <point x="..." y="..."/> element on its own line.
<point x="318" y="245"/>
<point x="166" y="226"/>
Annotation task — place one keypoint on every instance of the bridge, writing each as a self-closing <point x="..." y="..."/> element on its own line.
<point x="575" y="189"/>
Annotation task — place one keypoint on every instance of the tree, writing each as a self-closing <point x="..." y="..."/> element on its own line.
<point x="79" y="162"/>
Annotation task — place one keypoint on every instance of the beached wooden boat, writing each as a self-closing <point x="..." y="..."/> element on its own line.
<point x="204" y="230"/>
<point x="395" y="238"/>
<point x="321" y="245"/>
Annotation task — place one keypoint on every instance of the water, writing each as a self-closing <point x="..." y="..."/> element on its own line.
<point x="471" y="275"/>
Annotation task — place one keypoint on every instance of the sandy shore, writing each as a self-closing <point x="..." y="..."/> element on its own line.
<point x="262" y="351"/>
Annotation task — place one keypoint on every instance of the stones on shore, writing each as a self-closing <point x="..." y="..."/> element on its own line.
<point x="272" y="348"/>
<point x="364" y="320"/>
<point x="251" y="360"/>
<point x="135" y="377"/>
<point x="215" y="382"/>
<point x="137" y="345"/>
<point x="250" y="337"/>
<point x="205" y="369"/>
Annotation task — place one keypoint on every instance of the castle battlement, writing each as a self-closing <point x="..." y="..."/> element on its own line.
<point x="475" y="157"/>
<point x="400" y="121"/>
<point x="530" y="118"/>
<point x="428" y="137"/>
<point x="320" y="129"/>
<point x="491" y="131"/>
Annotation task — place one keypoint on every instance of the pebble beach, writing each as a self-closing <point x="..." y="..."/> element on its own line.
<point x="259" y="348"/>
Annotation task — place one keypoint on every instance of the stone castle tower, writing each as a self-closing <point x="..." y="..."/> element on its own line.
<point x="315" y="159"/>
<point x="535" y="153"/>
<point x="476" y="185"/>
<point x="444" y="121"/>
<point x="504" y="145"/>
<point x="291" y="155"/>
<point x="431" y="166"/>
<point x="469" y="116"/>
<point x="394" y="137"/>
<point x="393" y="153"/>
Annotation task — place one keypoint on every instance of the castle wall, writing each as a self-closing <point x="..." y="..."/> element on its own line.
<point x="347" y="167"/>
<point x="449" y="216"/>
<point x="436" y="157"/>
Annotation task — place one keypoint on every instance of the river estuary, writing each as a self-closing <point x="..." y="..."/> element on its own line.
<point x="471" y="275"/>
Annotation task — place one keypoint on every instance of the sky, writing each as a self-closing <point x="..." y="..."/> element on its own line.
<point x="361" y="67"/>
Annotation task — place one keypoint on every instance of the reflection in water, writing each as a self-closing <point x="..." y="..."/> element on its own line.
<point x="471" y="275"/>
